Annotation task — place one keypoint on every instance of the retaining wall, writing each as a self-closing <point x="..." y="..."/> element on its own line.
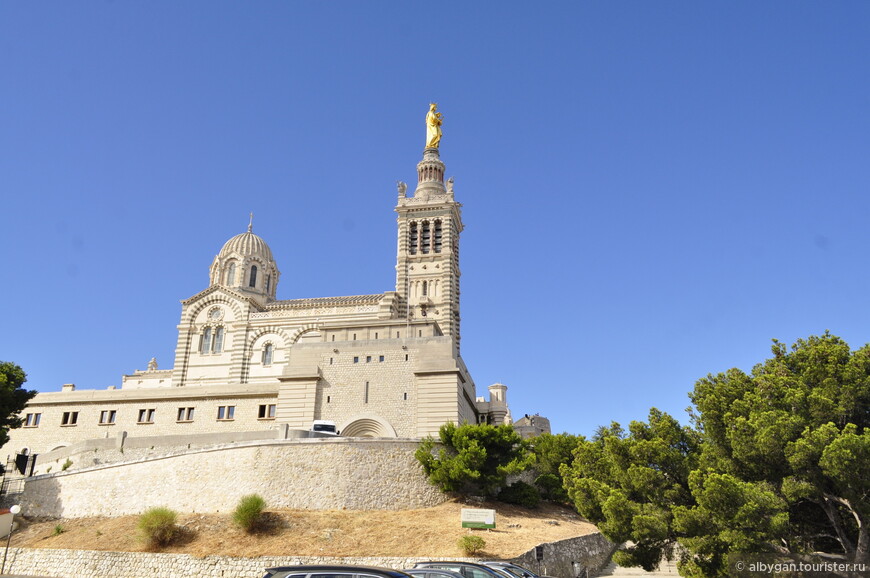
<point x="79" y="563"/>
<point x="581" y="556"/>
<point x="314" y="474"/>
<point x="124" y="448"/>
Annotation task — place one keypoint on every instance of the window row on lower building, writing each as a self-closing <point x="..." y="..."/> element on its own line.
<point x="147" y="415"/>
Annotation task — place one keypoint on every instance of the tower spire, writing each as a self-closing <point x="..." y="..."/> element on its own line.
<point x="430" y="170"/>
<point x="251" y="224"/>
<point x="430" y="221"/>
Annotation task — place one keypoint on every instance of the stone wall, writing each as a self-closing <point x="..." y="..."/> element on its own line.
<point x="124" y="448"/>
<point x="317" y="474"/>
<point x="582" y="556"/>
<point x="80" y="563"/>
<point x="371" y="376"/>
<point x="564" y="559"/>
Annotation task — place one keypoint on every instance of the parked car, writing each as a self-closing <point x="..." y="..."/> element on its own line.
<point x="515" y="570"/>
<point x="467" y="569"/>
<point x="333" y="571"/>
<point x="432" y="573"/>
<point x="325" y="427"/>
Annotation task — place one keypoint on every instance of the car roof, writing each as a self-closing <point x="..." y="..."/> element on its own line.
<point x="501" y="563"/>
<point x="506" y="566"/>
<point x="476" y="564"/>
<point x="429" y="563"/>
<point x="309" y="568"/>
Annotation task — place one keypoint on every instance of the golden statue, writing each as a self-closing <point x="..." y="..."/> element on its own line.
<point x="433" y="127"/>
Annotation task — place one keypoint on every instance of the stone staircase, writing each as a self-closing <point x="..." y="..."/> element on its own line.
<point x="614" y="571"/>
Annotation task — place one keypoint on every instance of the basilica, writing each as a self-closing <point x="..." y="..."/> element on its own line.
<point x="385" y="365"/>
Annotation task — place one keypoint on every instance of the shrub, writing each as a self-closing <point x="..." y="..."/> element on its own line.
<point x="249" y="511"/>
<point x="158" y="526"/>
<point x="473" y="459"/>
<point x="471" y="545"/>
<point x="521" y="494"/>
<point x="58" y="530"/>
<point x="66" y="465"/>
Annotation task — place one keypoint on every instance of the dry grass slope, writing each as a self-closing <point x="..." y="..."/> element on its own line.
<point x="427" y="532"/>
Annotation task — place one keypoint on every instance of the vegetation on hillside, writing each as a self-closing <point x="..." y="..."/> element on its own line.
<point x="158" y="527"/>
<point x="776" y="461"/>
<point x="425" y="532"/>
<point x="249" y="512"/>
<point x="473" y="459"/>
<point x="550" y="452"/>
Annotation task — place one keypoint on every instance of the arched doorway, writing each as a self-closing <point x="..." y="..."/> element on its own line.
<point x="368" y="427"/>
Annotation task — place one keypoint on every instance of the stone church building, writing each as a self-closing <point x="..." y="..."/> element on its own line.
<point x="385" y="365"/>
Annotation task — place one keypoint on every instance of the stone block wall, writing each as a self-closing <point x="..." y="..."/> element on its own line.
<point x="317" y="474"/>
<point x="124" y="448"/>
<point x="582" y="556"/>
<point x="355" y="381"/>
<point x="93" y="564"/>
<point x="564" y="559"/>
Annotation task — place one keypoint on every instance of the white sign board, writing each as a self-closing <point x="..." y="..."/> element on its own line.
<point x="474" y="518"/>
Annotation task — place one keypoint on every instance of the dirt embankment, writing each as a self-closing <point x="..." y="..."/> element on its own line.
<point x="427" y="532"/>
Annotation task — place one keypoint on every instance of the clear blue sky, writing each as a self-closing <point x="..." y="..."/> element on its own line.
<point x="652" y="190"/>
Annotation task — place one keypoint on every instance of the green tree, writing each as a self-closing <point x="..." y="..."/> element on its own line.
<point x="550" y="452"/>
<point x="629" y="484"/>
<point x="12" y="398"/>
<point x="473" y="459"/>
<point x="798" y="427"/>
<point x="778" y="461"/>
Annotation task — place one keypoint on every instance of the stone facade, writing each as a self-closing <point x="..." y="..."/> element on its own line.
<point x="530" y="426"/>
<point x="165" y="403"/>
<point x="384" y="365"/>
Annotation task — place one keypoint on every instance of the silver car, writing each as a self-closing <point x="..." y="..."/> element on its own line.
<point x="466" y="569"/>
<point x="333" y="571"/>
<point x="515" y="570"/>
<point x="432" y="573"/>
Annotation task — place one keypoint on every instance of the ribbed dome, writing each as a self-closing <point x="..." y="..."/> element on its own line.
<point x="248" y="245"/>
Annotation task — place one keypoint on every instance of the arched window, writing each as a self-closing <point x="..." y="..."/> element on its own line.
<point x="267" y="354"/>
<point x="231" y="274"/>
<point x="425" y="238"/>
<point x="205" y="341"/>
<point x="439" y="236"/>
<point x="212" y="340"/>
<point x="412" y="239"/>
<point x="218" y="340"/>
<point x="425" y="288"/>
<point x="253" y="281"/>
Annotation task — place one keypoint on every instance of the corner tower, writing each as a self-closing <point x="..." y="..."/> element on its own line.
<point x="429" y="224"/>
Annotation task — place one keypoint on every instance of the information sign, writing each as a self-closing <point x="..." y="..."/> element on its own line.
<point x="474" y="518"/>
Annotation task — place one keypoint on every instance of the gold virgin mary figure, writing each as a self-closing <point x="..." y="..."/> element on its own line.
<point x="433" y="126"/>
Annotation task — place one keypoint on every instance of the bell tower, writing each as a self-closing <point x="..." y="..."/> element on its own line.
<point x="429" y="224"/>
